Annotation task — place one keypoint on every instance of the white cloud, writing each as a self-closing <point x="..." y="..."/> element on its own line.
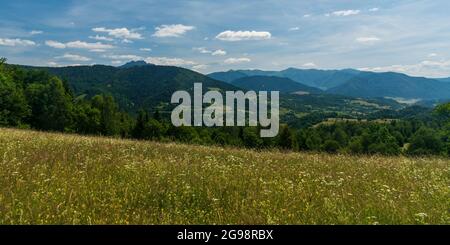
<point x="169" y="61"/>
<point x="116" y="62"/>
<point x="306" y="16"/>
<point x="367" y="40"/>
<point x="101" y="38"/>
<point x="219" y="52"/>
<point x="73" y="57"/>
<point x="145" y="49"/>
<point x="124" y="57"/>
<point x="172" y="30"/>
<point x="374" y="9"/>
<point x="85" y="45"/>
<point x="296" y="28"/>
<point x="55" y="44"/>
<point x="79" y="45"/>
<point x="36" y="32"/>
<point x="202" y="50"/>
<point x="200" y="67"/>
<point x="52" y="63"/>
<point x="243" y="35"/>
<point x="346" y="12"/>
<point x="97" y="50"/>
<point x="16" y="42"/>
<point x="236" y="60"/>
<point x="432" y="55"/>
<point x="309" y="65"/>
<point x="121" y="33"/>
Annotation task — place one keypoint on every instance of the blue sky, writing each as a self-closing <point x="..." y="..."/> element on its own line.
<point x="412" y="37"/>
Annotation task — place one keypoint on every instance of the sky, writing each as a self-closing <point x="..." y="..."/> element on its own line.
<point x="411" y="37"/>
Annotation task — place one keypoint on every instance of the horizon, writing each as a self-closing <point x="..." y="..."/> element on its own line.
<point x="250" y="69"/>
<point x="399" y="36"/>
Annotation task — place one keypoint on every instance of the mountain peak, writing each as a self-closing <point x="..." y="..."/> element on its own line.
<point x="134" y="64"/>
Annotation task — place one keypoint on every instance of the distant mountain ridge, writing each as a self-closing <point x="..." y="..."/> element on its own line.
<point x="391" y="84"/>
<point x="272" y="83"/>
<point x="355" y="83"/>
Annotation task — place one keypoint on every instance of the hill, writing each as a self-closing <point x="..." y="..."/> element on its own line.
<point x="135" y="86"/>
<point x="271" y="83"/>
<point x="52" y="178"/>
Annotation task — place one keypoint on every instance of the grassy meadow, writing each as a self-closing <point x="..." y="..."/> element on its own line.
<point x="48" y="178"/>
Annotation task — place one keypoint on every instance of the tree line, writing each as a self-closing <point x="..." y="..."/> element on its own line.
<point x="38" y="100"/>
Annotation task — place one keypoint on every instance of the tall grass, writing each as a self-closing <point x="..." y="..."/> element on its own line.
<point x="68" y="179"/>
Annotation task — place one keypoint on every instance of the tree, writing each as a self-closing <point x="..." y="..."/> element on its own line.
<point x="110" y="117"/>
<point x="251" y="138"/>
<point x="331" y="146"/>
<point x="142" y="119"/>
<point x="356" y="145"/>
<point x="153" y="129"/>
<point x="13" y="105"/>
<point x="286" y="139"/>
<point x="51" y="106"/>
<point x="425" y="142"/>
<point x="383" y="142"/>
<point x="313" y="141"/>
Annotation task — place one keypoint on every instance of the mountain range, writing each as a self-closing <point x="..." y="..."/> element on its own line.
<point x="354" y="83"/>
<point x="139" y="85"/>
<point x="271" y="83"/>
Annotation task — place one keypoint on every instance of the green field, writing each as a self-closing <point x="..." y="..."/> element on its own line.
<point x="69" y="179"/>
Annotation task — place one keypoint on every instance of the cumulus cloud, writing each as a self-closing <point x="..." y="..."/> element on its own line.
<point x="374" y="9"/>
<point x="16" y="42"/>
<point x="101" y="38"/>
<point x="52" y="63"/>
<point x="79" y="45"/>
<point x="200" y="67"/>
<point x="236" y="60"/>
<point x="203" y="50"/>
<point x="172" y="30"/>
<point x="36" y="32"/>
<point x="121" y="33"/>
<point x="116" y="62"/>
<point x="432" y="55"/>
<point x="366" y="40"/>
<point x="219" y="52"/>
<point x="243" y="35"/>
<point x="309" y="65"/>
<point x="73" y="57"/>
<point x="55" y="44"/>
<point x="169" y="61"/>
<point x="296" y="28"/>
<point x="346" y="12"/>
<point x="145" y="49"/>
<point x="97" y="50"/>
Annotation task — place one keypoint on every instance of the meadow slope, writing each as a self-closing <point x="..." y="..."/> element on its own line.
<point x="50" y="178"/>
